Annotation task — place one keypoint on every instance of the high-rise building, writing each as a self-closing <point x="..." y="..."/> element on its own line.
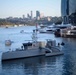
<point x="72" y="6"/>
<point x="68" y="8"/>
<point x="37" y="14"/>
<point x="63" y="7"/>
<point x="65" y="10"/>
<point x="28" y="16"/>
<point x="31" y="15"/>
<point x="23" y="16"/>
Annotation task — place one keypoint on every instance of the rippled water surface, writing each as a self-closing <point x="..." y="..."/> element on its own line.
<point x="57" y="65"/>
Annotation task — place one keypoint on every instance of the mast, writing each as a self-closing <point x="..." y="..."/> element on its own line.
<point x="34" y="36"/>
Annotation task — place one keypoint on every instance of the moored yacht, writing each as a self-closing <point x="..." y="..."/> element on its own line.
<point x="51" y="27"/>
<point x="71" y="33"/>
<point x="61" y="30"/>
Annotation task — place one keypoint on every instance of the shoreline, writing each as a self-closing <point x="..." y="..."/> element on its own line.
<point x="15" y="25"/>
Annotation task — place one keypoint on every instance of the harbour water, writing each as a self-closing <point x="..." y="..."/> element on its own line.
<point x="57" y="65"/>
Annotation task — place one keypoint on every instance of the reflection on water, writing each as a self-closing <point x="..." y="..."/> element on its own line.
<point x="69" y="66"/>
<point x="33" y="66"/>
<point x="24" y="66"/>
<point x="58" y="65"/>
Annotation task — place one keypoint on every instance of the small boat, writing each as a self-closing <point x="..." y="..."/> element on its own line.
<point x="51" y="27"/>
<point x="42" y="30"/>
<point x="22" y="31"/>
<point x="6" y="27"/>
<point x="8" y="42"/>
<point x="43" y="26"/>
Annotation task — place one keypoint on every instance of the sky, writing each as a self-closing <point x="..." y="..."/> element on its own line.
<point x="17" y="8"/>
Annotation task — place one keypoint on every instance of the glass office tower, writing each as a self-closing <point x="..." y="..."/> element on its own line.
<point x="37" y="14"/>
<point x="65" y="10"/>
<point x="72" y="6"/>
<point x="68" y="11"/>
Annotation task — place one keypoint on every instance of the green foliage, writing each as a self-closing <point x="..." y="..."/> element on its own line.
<point x="5" y="22"/>
<point x="14" y="22"/>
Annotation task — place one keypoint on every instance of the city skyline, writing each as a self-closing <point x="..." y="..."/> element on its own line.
<point x="17" y="8"/>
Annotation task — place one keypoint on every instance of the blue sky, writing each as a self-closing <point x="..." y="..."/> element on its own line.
<point x="16" y="8"/>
